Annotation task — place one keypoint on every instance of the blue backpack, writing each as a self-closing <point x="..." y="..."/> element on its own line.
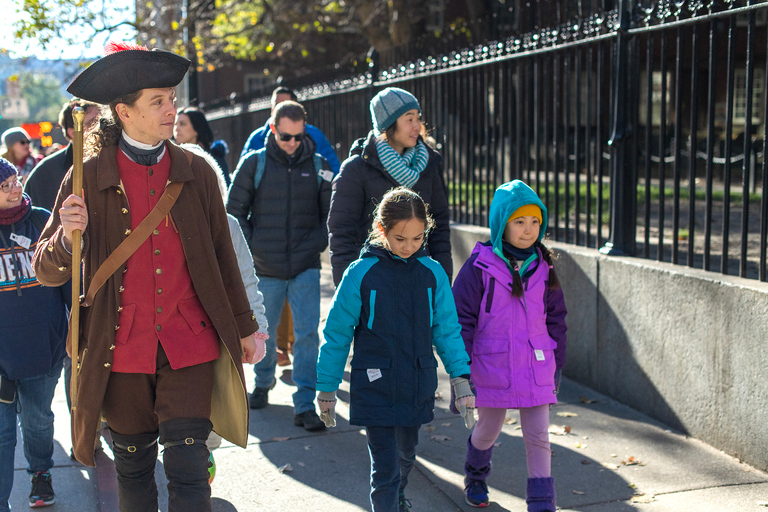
<point x="261" y="164"/>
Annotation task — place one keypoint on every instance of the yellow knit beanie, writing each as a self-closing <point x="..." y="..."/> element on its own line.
<point x="525" y="211"/>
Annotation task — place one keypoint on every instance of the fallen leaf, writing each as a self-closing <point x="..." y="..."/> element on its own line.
<point x="578" y="492"/>
<point x="632" y="486"/>
<point x="440" y="438"/>
<point x="614" y="455"/>
<point x="278" y="439"/>
<point x="587" y="400"/>
<point x="510" y="421"/>
<point x="609" y="465"/>
<point x="567" y="414"/>
<point x="762" y="503"/>
<point x="430" y="428"/>
<point x="631" y="461"/>
<point x="586" y="462"/>
<point x="558" y="430"/>
<point x="643" y="498"/>
<point x="580" y="445"/>
<point x="285" y="468"/>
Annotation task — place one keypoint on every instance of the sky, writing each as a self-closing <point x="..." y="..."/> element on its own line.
<point x="58" y="50"/>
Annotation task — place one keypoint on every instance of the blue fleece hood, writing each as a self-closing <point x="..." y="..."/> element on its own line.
<point x="508" y="198"/>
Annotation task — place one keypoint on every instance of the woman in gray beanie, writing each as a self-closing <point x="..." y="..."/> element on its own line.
<point x="18" y="151"/>
<point x="393" y="154"/>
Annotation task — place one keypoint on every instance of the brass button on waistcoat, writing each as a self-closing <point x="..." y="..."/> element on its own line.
<point x="124" y="210"/>
<point x="158" y="327"/>
<point x="152" y="192"/>
<point x="127" y="231"/>
<point x="158" y="271"/>
<point x="151" y="172"/>
<point x="156" y="232"/>
<point x="107" y="365"/>
<point x="157" y="252"/>
<point x="159" y="310"/>
<point x="159" y="291"/>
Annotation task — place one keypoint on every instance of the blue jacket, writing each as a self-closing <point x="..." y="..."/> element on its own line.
<point x="395" y="310"/>
<point x="258" y="138"/>
<point x="33" y="324"/>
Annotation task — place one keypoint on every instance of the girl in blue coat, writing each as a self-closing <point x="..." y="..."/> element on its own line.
<point x="395" y="302"/>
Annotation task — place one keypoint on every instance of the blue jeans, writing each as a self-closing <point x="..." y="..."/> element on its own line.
<point x="393" y="451"/>
<point x="33" y="403"/>
<point x="303" y="292"/>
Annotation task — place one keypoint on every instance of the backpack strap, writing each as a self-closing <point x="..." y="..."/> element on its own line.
<point x="261" y="164"/>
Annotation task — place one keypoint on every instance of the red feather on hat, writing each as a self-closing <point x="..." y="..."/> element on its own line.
<point x="119" y="46"/>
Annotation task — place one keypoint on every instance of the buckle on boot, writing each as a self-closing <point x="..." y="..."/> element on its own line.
<point x="188" y="441"/>
<point x="131" y="449"/>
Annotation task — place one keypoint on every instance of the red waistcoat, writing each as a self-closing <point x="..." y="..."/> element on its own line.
<point x="159" y="302"/>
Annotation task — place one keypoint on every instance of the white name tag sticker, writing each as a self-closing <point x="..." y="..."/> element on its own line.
<point x="374" y="374"/>
<point x="21" y="240"/>
<point x="326" y="175"/>
<point x="539" y="355"/>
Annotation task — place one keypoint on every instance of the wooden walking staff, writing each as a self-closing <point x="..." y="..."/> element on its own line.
<point x="78" y="113"/>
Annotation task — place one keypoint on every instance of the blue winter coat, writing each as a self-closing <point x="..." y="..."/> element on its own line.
<point x="33" y="318"/>
<point x="395" y="309"/>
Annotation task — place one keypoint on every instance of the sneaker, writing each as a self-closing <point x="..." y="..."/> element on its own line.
<point x="403" y="504"/>
<point x="309" y="420"/>
<point x="42" y="490"/>
<point x="260" y="396"/>
<point x="476" y="493"/>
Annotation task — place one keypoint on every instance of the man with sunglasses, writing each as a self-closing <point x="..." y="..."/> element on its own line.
<point x="282" y="207"/>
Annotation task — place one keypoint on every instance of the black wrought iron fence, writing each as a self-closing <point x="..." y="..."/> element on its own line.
<point x="640" y="123"/>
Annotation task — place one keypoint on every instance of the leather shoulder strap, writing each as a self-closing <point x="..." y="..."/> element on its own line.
<point x="134" y="240"/>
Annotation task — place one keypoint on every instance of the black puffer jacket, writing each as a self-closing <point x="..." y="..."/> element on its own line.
<point x="284" y="220"/>
<point x="359" y="187"/>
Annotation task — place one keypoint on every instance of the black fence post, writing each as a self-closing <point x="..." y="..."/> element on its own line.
<point x="623" y="195"/>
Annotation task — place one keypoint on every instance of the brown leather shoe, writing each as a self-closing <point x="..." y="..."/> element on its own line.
<point x="283" y="359"/>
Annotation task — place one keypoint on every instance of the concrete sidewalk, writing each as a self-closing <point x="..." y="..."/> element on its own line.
<point x="606" y="458"/>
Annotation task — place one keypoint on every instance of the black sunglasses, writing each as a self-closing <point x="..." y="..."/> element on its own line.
<point x="285" y="137"/>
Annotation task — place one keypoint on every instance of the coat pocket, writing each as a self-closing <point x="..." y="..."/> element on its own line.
<point x="194" y="314"/>
<point x="371" y="381"/>
<point x="490" y="363"/>
<point x="543" y="360"/>
<point x="427" y="379"/>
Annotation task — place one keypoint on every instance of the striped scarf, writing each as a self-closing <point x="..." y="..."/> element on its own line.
<point x="407" y="168"/>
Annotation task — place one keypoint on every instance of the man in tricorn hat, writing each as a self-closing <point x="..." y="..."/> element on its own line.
<point x="162" y="345"/>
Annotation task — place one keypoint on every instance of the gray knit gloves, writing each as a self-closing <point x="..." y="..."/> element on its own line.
<point x="326" y="402"/>
<point x="465" y="400"/>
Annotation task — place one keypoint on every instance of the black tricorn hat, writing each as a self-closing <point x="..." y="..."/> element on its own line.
<point x="125" y="69"/>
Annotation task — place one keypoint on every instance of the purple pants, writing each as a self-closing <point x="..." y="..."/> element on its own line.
<point x="535" y="424"/>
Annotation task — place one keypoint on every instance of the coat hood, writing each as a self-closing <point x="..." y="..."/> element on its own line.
<point x="508" y="198"/>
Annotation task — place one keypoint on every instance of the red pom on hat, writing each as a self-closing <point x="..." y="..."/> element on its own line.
<point x="120" y="46"/>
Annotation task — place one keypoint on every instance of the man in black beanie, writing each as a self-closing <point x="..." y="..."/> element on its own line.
<point x="162" y="345"/>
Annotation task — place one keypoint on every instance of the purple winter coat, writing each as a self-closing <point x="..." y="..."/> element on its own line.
<point x="515" y="343"/>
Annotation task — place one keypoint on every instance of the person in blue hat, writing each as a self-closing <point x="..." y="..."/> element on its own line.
<point x="393" y="154"/>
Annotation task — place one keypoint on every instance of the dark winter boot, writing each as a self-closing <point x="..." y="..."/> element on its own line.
<point x="476" y="470"/>
<point x="541" y="495"/>
<point x="135" y="459"/>
<point x="186" y="461"/>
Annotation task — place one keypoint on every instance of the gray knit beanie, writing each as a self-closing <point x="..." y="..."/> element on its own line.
<point x="13" y="135"/>
<point x="7" y="169"/>
<point x="390" y="104"/>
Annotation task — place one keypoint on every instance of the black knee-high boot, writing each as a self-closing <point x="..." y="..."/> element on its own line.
<point x="186" y="463"/>
<point x="135" y="459"/>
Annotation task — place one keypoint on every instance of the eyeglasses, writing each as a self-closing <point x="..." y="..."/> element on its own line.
<point x="285" y="137"/>
<point x="6" y="187"/>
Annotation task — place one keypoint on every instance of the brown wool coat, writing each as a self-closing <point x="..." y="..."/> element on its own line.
<point x="200" y="217"/>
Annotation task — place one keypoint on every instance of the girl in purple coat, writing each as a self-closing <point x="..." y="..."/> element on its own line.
<point x="512" y="314"/>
